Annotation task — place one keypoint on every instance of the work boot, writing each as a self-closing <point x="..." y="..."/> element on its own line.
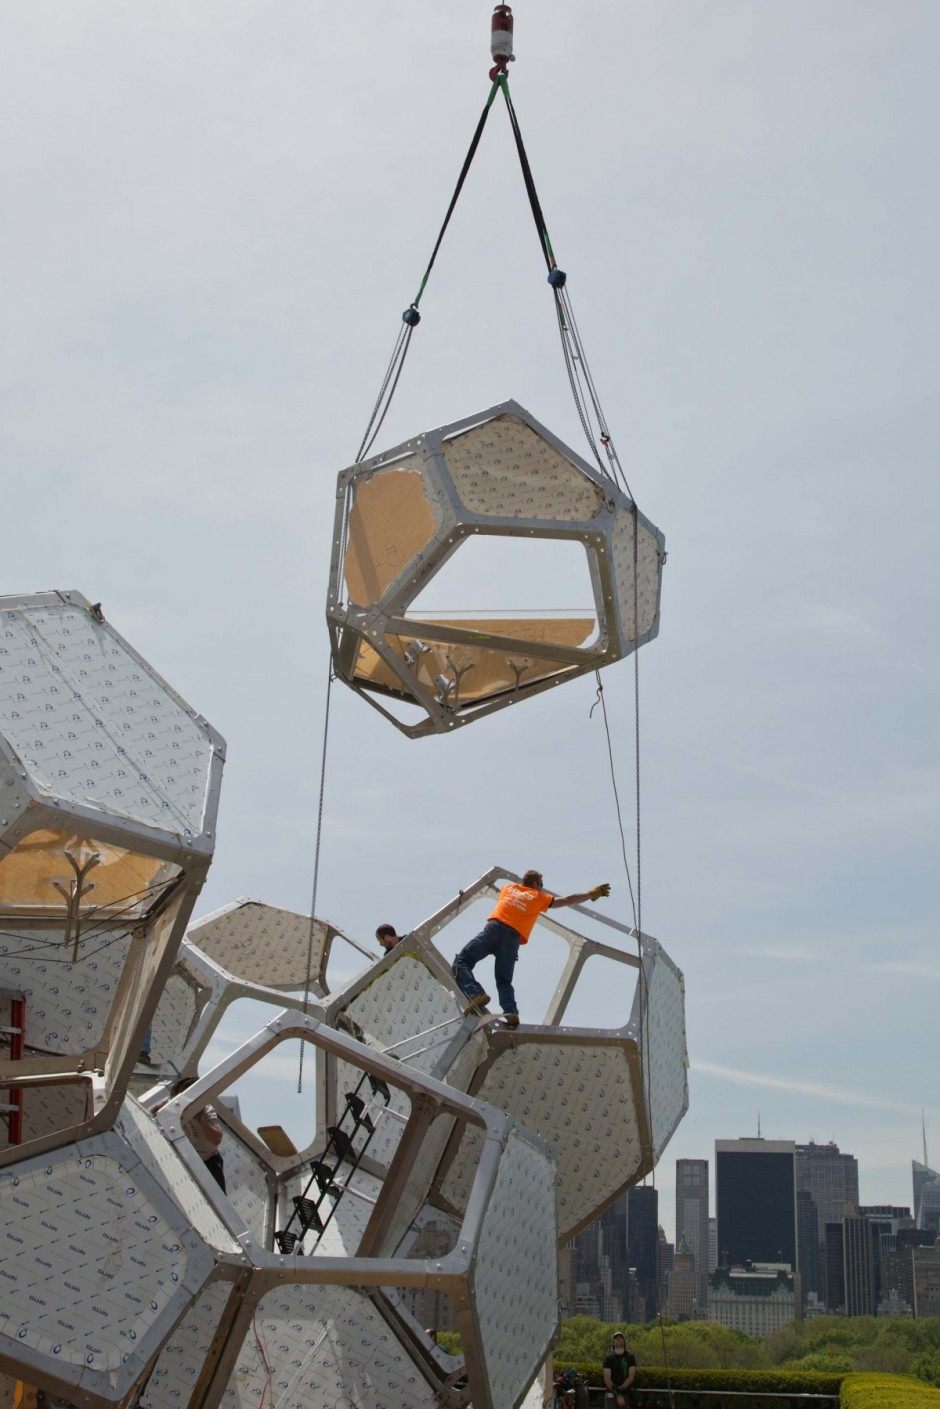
<point x="477" y="1004"/>
<point x="511" y="1019"/>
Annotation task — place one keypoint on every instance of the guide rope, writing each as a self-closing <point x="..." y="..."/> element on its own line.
<point x="311" y="932"/>
<point x="636" y="901"/>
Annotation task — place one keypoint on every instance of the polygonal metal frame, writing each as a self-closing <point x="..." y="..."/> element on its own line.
<point x="92" y="1386"/>
<point x="451" y="1274"/>
<point x="347" y="623"/>
<point x="27" y="807"/>
<point x="632" y="1039"/>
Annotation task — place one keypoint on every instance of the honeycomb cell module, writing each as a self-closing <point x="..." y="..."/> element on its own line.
<point x="403" y="515"/>
<point x="109" y="787"/>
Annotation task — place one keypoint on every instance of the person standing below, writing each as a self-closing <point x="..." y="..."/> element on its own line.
<point x="619" y="1373"/>
<point x="510" y="925"/>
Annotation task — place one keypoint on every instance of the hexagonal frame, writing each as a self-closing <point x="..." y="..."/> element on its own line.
<point x="370" y="1268"/>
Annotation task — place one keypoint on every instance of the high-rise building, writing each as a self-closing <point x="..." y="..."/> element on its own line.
<point x="907" y="1276"/>
<point x="712" y="1245"/>
<point x="807" y="1239"/>
<point x="596" y="1276"/>
<point x="666" y="1252"/>
<point x="683" y="1297"/>
<point x="835" y="1268"/>
<point x="755" y="1195"/>
<point x="566" y="1288"/>
<point x="643" y="1243"/>
<point x="831" y="1177"/>
<point x="926" y="1195"/>
<point x="888" y="1220"/>
<point x="861" y="1264"/>
<point x="692" y="1216"/>
<point x="926" y="1280"/>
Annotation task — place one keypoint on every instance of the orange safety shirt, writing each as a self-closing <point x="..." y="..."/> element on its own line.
<point x="520" y="906"/>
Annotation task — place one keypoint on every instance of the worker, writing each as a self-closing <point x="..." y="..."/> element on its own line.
<point x="510" y="925"/>
<point x="387" y="937"/>
<point x="204" y="1130"/>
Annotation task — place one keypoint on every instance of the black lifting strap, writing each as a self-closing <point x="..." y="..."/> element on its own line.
<point x="471" y="153"/>
<point x="411" y="317"/>
<point x="546" y="244"/>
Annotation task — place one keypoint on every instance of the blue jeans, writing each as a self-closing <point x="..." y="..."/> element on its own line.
<point x="500" y="940"/>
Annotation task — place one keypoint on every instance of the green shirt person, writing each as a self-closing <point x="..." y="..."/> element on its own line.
<point x="619" y="1373"/>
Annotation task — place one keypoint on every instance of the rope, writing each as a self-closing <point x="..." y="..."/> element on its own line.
<point x="316" y="869"/>
<point x="392" y="373"/>
<point x="636" y="896"/>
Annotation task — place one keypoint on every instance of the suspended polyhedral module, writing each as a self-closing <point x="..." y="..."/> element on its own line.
<point x="109" y="786"/>
<point x="402" y="514"/>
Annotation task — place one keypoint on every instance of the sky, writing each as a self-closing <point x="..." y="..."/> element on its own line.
<point x="213" y="218"/>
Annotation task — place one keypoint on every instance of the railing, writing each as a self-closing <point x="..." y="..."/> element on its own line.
<point x="713" y="1398"/>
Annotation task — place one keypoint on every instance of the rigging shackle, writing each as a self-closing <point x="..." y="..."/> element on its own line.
<point x="501" y="41"/>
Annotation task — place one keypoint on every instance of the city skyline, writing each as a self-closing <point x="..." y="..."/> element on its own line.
<point x="794" y="1240"/>
<point x="873" y="1187"/>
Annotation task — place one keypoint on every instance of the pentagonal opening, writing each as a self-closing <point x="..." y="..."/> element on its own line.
<point x="267" y="1092"/>
<point x="603" y="996"/>
<point x="501" y="614"/>
<point x="345" y="962"/>
<point x="539" y="966"/>
<point x="499" y="576"/>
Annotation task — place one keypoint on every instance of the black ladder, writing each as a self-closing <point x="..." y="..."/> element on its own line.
<point x="309" y="1212"/>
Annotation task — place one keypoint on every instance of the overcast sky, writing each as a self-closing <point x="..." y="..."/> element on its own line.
<point x="213" y="216"/>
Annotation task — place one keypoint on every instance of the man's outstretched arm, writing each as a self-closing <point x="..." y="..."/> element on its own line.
<point x="580" y="897"/>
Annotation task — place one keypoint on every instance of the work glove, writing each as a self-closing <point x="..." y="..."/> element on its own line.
<point x="600" y="892"/>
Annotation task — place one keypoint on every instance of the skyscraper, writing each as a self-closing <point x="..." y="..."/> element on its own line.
<point x="597" y="1273"/>
<point x="683" y="1284"/>
<point x="926" y="1195"/>
<point x="835" y="1267"/>
<point x="807" y="1241"/>
<point x="861" y="1264"/>
<point x="643" y="1242"/>
<point x="692" y="1217"/>
<point x="755" y="1186"/>
<point x="831" y="1177"/>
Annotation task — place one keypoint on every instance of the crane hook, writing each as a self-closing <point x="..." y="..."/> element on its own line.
<point x="501" y="41"/>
